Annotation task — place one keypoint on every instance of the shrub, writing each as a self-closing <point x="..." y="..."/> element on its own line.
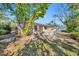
<point x="5" y="29"/>
<point x="2" y="31"/>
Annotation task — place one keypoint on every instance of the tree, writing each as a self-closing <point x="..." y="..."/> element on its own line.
<point x="4" y="23"/>
<point x="26" y="14"/>
<point x="72" y="21"/>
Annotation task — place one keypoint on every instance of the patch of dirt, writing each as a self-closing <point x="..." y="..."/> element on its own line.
<point x="14" y="48"/>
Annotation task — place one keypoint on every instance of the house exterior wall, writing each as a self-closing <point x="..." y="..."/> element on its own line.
<point x="42" y="28"/>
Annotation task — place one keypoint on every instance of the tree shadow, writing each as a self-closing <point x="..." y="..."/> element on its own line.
<point x="57" y="45"/>
<point x="56" y="49"/>
<point x="69" y="47"/>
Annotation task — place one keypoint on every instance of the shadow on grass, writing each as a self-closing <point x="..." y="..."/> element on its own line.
<point x="69" y="47"/>
<point x="57" y="44"/>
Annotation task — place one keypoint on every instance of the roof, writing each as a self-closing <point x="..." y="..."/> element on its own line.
<point x="45" y="24"/>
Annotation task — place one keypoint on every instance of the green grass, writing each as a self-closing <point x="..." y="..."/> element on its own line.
<point x="56" y="48"/>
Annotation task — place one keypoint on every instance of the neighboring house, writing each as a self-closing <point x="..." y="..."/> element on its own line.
<point x="43" y="27"/>
<point x="46" y="31"/>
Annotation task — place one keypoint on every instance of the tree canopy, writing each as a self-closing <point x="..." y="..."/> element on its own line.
<point x="25" y="14"/>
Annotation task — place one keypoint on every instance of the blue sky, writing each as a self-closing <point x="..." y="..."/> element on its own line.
<point x="51" y="11"/>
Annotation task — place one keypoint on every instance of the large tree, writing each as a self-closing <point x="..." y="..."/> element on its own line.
<point x="72" y="21"/>
<point x="25" y="14"/>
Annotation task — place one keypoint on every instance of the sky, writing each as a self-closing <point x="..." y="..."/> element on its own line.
<point x="50" y="12"/>
<point x="53" y="9"/>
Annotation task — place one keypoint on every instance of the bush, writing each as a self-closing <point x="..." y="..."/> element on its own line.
<point x="73" y="26"/>
<point x="5" y="29"/>
<point x="76" y="35"/>
<point x="2" y="31"/>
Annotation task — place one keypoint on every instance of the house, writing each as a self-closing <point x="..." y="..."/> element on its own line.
<point x="46" y="31"/>
<point x="43" y="27"/>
